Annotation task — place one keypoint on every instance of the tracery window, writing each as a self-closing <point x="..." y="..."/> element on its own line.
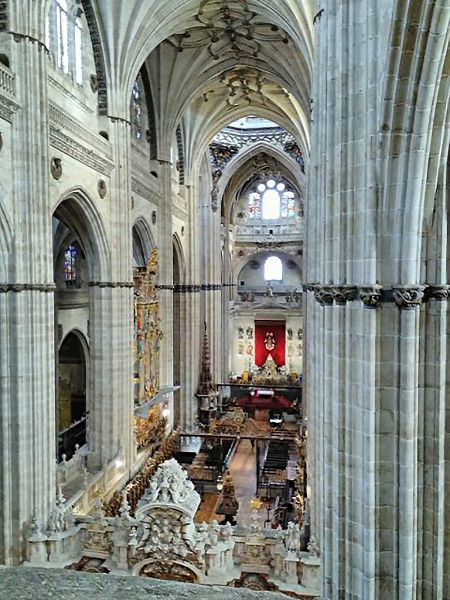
<point x="64" y="37"/>
<point x="273" y="269"/>
<point x="271" y="201"/>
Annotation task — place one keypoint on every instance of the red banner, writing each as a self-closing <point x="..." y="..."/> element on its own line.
<point x="270" y="338"/>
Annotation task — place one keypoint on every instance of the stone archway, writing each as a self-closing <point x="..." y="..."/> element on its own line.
<point x="71" y="406"/>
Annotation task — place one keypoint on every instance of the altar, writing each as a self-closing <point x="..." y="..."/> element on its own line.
<point x="262" y="393"/>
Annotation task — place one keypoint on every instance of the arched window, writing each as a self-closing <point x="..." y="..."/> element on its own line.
<point x="271" y="204"/>
<point x="273" y="269"/>
<point x="64" y="37"/>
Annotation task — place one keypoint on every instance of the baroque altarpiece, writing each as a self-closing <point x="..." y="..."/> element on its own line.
<point x="146" y="350"/>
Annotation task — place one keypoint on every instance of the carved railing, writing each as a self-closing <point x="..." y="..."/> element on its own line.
<point x="7" y="81"/>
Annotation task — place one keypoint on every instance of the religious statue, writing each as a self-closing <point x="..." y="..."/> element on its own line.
<point x="269" y="291"/>
<point x="269" y="341"/>
<point x="249" y="331"/>
<point x="240" y="348"/>
<point x="249" y="348"/>
<point x="240" y="333"/>
<point x="289" y="333"/>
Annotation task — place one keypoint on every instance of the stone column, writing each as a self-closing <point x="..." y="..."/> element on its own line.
<point x="111" y="321"/>
<point x="211" y="277"/>
<point x="192" y="332"/>
<point x="27" y="402"/>
<point x="165" y="277"/>
<point x="226" y="343"/>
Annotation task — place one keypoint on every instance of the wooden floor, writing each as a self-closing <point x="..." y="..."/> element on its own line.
<point x="206" y="510"/>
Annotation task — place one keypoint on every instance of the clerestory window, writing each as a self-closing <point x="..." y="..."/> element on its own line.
<point x="64" y="37"/>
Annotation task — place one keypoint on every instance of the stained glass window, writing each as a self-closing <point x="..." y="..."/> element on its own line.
<point x="137" y="121"/>
<point x="288" y="204"/>
<point x="70" y="264"/>
<point x="254" y="205"/>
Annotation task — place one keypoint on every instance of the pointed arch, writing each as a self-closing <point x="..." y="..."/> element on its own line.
<point x="79" y="213"/>
<point x="153" y="138"/>
<point x="99" y="58"/>
<point x="178" y="258"/>
<point x="143" y="241"/>
<point x="411" y="138"/>
<point x="5" y="245"/>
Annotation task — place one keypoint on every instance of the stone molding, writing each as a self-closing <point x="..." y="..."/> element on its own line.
<point x="72" y="138"/>
<point x="190" y="288"/>
<point x="405" y="296"/>
<point x="111" y="284"/>
<point x="27" y="287"/>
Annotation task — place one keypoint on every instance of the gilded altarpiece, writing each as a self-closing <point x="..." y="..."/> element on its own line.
<point x="146" y="347"/>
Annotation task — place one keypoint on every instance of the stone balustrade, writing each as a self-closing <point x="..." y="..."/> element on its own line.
<point x="7" y="81"/>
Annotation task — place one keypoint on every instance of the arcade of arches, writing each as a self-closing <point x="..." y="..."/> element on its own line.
<point x="224" y="292"/>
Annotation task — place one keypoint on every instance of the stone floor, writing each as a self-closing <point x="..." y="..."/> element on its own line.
<point x="243" y="471"/>
<point x="26" y="583"/>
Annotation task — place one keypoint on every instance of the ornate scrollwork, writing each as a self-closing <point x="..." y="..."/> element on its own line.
<point x="409" y="297"/>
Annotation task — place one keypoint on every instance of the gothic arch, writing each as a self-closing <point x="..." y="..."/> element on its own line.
<point x="297" y="23"/>
<point x="179" y="257"/>
<point x="235" y="173"/>
<point x="217" y="121"/>
<point x="5" y="245"/>
<point x="99" y="58"/>
<point x="153" y="142"/>
<point x="142" y="235"/>
<point x="410" y="138"/>
<point x="72" y="404"/>
<point x="78" y="211"/>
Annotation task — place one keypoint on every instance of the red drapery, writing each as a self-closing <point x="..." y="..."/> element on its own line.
<point x="278" y="329"/>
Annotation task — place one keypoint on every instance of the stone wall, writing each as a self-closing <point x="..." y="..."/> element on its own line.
<point x="24" y="583"/>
